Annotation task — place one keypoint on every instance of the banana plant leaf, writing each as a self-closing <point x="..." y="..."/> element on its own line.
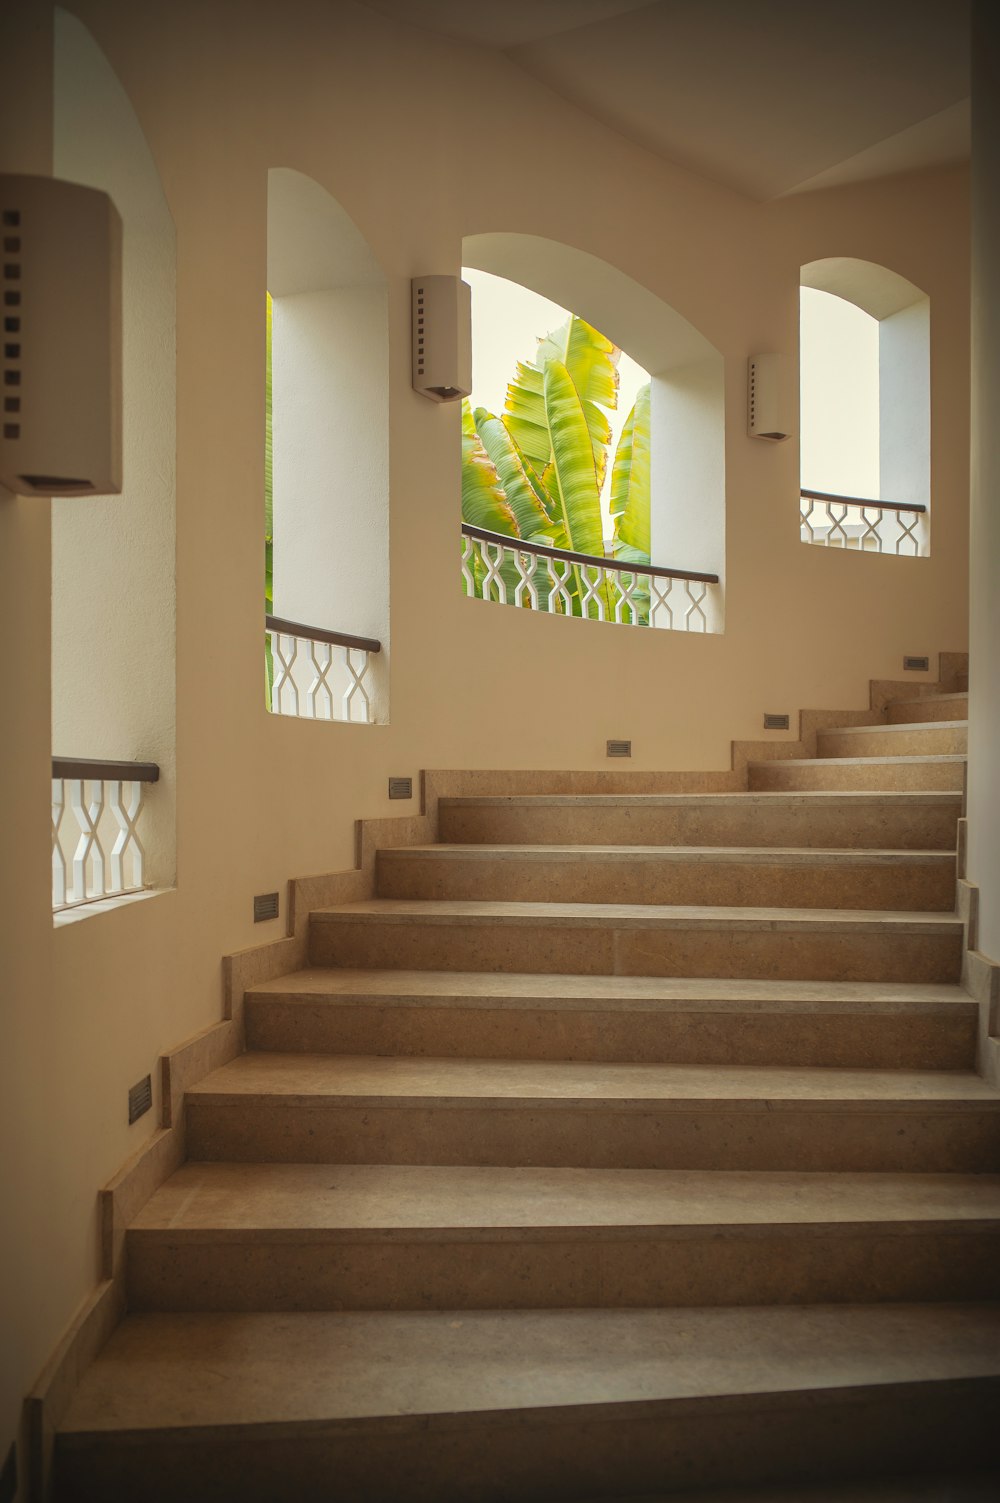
<point x="523" y="489"/>
<point x="574" y="475"/>
<point x="572" y="470"/>
<point x="483" y="501"/>
<point x="630" y="483"/>
<point x="591" y="360"/>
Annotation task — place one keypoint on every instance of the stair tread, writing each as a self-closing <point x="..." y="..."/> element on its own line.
<point x="197" y="1373"/>
<point x="806" y="797"/>
<point x="953" y="1487"/>
<point x="892" y="729"/>
<point x="304" y="1078"/>
<point x="270" y="1199"/>
<point x="637" y="915"/>
<point x="923" y="699"/>
<point x="707" y="855"/>
<point x="930" y="757"/>
<point x="512" y="988"/>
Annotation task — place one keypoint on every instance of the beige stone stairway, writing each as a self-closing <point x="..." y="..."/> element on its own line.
<point x="622" y="1145"/>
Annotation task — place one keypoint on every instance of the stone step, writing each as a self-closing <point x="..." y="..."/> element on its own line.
<point x="933" y="739"/>
<point x="785" y="944"/>
<point x="928" y="707"/>
<point x="873" y="774"/>
<point x="738" y="877"/>
<point x="443" y="1407"/>
<point x="949" y="1486"/>
<point x="886" y="821"/>
<point x="406" y="1237"/>
<point x="679" y="1021"/>
<point x="306" y="1108"/>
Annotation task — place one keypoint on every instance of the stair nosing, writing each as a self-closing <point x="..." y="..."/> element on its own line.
<point x="764" y="796"/>
<point x="694" y="854"/>
<point x="453" y="911"/>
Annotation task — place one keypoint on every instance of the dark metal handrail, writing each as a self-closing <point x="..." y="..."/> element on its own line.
<point x="99" y="770"/>
<point x="861" y="501"/>
<point x="544" y="551"/>
<point x="320" y="634"/>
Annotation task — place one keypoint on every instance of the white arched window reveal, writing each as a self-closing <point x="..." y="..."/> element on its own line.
<point x="330" y="470"/>
<point x="682" y="375"/>
<point x="865" y="409"/>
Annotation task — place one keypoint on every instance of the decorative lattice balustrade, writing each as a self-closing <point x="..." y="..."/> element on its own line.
<point x="96" y="848"/>
<point x="318" y="674"/>
<point x="867" y="526"/>
<point x="512" y="571"/>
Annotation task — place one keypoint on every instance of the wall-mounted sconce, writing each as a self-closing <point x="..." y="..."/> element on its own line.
<point x="771" y="397"/>
<point x="442" y="338"/>
<point x="61" y="296"/>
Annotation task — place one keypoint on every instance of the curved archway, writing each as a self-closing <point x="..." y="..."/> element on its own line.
<point x="687" y="390"/>
<point x="330" y="363"/>
<point x="901" y="416"/>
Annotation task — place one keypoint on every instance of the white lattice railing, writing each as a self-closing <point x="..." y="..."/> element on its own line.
<point x="867" y="526"/>
<point x="318" y="674"/>
<point x="96" y="849"/>
<point x="535" y="577"/>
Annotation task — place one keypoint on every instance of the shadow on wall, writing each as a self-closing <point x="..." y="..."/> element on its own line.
<point x="113" y="557"/>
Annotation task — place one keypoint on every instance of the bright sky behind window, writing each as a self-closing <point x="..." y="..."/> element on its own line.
<point x="507" y="322"/>
<point x="839" y="387"/>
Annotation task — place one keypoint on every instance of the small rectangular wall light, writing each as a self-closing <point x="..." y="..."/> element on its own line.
<point x="140" y="1099"/>
<point x="442" y="338"/>
<point x="770" y="397"/>
<point x="61" y="297"/>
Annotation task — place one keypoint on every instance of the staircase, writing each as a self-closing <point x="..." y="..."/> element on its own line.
<point x="622" y="1145"/>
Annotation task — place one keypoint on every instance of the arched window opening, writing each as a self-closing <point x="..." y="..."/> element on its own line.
<point x="326" y="460"/>
<point x="865" y="409"/>
<point x="595" y="428"/>
<point x="113" y="557"/>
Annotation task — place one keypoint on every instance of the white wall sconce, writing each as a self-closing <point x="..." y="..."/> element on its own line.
<point x="442" y="338"/>
<point x="61" y="311"/>
<point x="771" y="397"/>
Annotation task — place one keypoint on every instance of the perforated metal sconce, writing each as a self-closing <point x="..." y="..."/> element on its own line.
<point x="771" y="397"/>
<point x="61" y="433"/>
<point x="442" y="338"/>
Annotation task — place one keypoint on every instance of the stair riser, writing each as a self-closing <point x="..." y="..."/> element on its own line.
<point x="912" y="710"/>
<point x="890" y="777"/>
<point x="256" y="1129"/>
<point x="880" y="828"/>
<point x="764" y="954"/>
<point x="902" y="1040"/>
<point x="928" y="741"/>
<point x="555" y="1452"/>
<point x="526" y="1269"/>
<point x="906" y="886"/>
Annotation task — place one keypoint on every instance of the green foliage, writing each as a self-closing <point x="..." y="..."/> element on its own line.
<point x="537" y="470"/>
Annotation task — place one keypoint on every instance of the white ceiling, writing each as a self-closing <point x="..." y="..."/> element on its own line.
<point x="767" y="96"/>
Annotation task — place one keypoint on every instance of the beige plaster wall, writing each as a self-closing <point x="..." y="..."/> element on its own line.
<point x="422" y="145"/>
